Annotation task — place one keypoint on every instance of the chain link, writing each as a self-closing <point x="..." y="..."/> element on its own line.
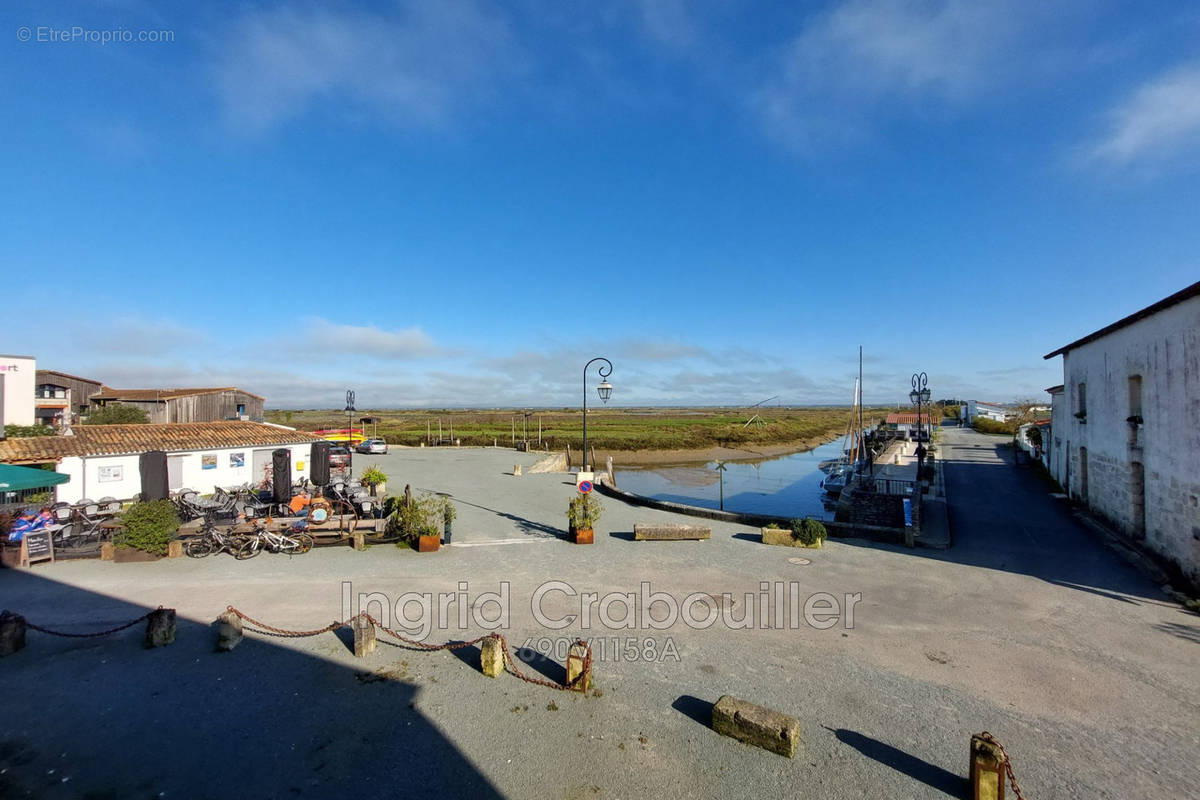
<point x="1012" y="778"/>
<point x="64" y="634"/>
<point x="510" y="662"/>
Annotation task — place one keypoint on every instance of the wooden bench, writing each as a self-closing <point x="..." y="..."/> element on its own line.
<point x="646" y="532"/>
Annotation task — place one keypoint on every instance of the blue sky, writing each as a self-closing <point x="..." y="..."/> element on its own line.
<point x="459" y="203"/>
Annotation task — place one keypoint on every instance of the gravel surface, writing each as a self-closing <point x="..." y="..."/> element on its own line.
<point x="1026" y="627"/>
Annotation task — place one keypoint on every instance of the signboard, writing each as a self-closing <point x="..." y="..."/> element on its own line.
<point x="585" y="486"/>
<point x="36" y="546"/>
<point x="109" y="474"/>
<point x="208" y="461"/>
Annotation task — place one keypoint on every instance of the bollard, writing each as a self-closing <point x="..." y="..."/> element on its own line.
<point x="364" y="636"/>
<point x="517" y="470"/>
<point x="107" y="551"/>
<point x="12" y="633"/>
<point x="579" y="667"/>
<point x="175" y="548"/>
<point x="358" y="541"/>
<point x="491" y="656"/>
<point x="160" y="627"/>
<point x="229" y="631"/>
<point x="987" y="770"/>
<point x="759" y="726"/>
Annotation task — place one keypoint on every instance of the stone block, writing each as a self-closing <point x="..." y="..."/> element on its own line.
<point x="517" y="470"/>
<point x="491" y="656"/>
<point x="364" y="636"/>
<point x="644" y="532"/>
<point x="229" y="631"/>
<point x="12" y="633"/>
<point x="358" y="540"/>
<point x="108" y="551"/>
<point x="175" y="549"/>
<point x="160" y="627"/>
<point x="758" y="726"/>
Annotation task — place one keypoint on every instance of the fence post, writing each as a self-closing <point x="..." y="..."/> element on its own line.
<point x="12" y="633"/>
<point x="160" y="627"/>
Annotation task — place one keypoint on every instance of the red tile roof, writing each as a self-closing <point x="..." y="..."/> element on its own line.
<point x="162" y="394"/>
<point x="907" y="418"/>
<point x="96" y="440"/>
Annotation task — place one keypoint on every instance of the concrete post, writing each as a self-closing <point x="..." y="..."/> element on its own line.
<point x="160" y="627"/>
<point x="12" y="633"/>
<point x="229" y="631"/>
<point x="987" y="770"/>
<point x="364" y="636"/>
<point x="491" y="656"/>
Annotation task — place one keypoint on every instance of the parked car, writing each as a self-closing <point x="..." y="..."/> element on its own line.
<point x="339" y="457"/>
<point x="373" y="447"/>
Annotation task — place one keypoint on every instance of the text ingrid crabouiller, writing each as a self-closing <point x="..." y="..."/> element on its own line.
<point x="776" y="605"/>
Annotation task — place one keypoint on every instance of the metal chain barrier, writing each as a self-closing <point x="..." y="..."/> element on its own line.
<point x="1012" y="778"/>
<point x="39" y="628"/>
<point x="510" y="664"/>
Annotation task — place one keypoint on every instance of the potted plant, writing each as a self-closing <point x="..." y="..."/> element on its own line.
<point x="582" y="514"/>
<point x="375" y="479"/>
<point x="146" y="531"/>
<point x="417" y="521"/>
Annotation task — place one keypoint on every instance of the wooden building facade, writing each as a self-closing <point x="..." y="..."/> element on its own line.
<point x="188" y="405"/>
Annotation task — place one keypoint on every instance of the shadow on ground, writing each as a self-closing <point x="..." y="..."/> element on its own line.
<point x="112" y="719"/>
<point x="918" y="769"/>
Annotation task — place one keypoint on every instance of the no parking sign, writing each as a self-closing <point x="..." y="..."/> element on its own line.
<point x="585" y="487"/>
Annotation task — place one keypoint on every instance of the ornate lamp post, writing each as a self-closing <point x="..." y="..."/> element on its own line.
<point x="605" y="392"/>
<point x="350" y="426"/>
<point x="919" y="395"/>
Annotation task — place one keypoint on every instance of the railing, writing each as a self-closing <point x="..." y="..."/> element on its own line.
<point x="892" y="486"/>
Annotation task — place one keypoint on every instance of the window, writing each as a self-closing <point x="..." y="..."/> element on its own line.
<point x="1081" y="400"/>
<point x="1135" y="395"/>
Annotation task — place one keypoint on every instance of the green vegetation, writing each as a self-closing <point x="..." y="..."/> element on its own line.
<point x="148" y="526"/>
<point x="809" y="531"/>
<point x="608" y="428"/>
<point x="984" y="425"/>
<point x="373" y="476"/>
<point x="18" y="431"/>
<point x="117" y="414"/>
<point x="584" y="512"/>
<point x="422" y="517"/>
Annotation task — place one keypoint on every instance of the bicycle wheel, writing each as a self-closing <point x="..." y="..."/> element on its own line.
<point x="245" y="547"/>
<point x="304" y="542"/>
<point x="198" y="548"/>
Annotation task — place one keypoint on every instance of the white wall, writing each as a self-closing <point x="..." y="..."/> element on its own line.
<point x="85" y="473"/>
<point x="1165" y="350"/>
<point x="19" y="376"/>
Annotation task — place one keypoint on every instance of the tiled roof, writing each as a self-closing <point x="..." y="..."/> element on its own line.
<point x="161" y="394"/>
<point x="906" y="418"/>
<point x="96" y="440"/>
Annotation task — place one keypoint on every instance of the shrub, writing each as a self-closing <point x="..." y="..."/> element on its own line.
<point x="984" y="425"/>
<point x="583" y="512"/>
<point x="22" y="431"/>
<point x="421" y="517"/>
<point x="148" y="526"/>
<point x="809" y="531"/>
<point x="117" y="414"/>
<point x="373" y="476"/>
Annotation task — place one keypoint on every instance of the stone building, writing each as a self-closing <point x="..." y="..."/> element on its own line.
<point x="1126" y="427"/>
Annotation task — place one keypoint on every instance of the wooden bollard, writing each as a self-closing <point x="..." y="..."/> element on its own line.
<point x="107" y="551"/>
<point x="491" y="656"/>
<point x="987" y="770"/>
<point x="364" y="636"/>
<point x="579" y="667"/>
<point x="229" y="631"/>
<point x="517" y="470"/>
<point x="358" y="541"/>
<point x="12" y="633"/>
<point x="160" y="627"/>
<point x="175" y="548"/>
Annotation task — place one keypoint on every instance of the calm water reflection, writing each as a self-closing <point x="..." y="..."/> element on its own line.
<point x="788" y="486"/>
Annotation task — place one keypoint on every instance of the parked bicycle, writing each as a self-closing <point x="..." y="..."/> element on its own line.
<point x="212" y="540"/>
<point x="292" y="542"/>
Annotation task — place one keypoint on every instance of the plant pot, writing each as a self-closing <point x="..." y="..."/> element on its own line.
<point x="428" y="544"/>
<point x="783" y="537"/>
<point x="129" y="555"/>
<point x="379" y="490"/>
<point x="584" y="536"/>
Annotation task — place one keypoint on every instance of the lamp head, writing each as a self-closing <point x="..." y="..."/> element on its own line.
<point x="604" y="390"/>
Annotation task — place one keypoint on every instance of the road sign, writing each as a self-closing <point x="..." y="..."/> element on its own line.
<point x="585" y="486"/>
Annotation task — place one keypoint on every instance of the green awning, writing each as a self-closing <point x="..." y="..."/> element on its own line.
<point x="15" y="479"/>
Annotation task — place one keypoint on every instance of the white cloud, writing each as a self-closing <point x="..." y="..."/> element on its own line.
<point x="415" y="65"/>
<point x="1159" y="120"/>
<point x="868" y="53"/>
<point x="331" y="338"/>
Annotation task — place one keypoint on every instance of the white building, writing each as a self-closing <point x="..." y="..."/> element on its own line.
<point x="17" y="376"/>
<point x="1126" y="427"/>
<point x="992" y="411"/>
<point x="104" y="460"/>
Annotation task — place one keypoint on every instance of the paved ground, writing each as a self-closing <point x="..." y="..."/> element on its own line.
<point x="1025" y="627"/>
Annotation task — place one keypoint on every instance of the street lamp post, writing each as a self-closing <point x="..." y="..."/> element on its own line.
<point x="919" y="395"/>
<point x="605" y="392"/>
<point x="350" y="426"/>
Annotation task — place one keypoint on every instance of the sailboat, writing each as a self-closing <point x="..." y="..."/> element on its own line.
<point x="841" y="473"/>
